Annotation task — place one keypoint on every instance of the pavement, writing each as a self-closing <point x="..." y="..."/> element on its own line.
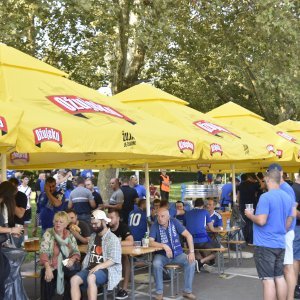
<point x="237" y="283"/>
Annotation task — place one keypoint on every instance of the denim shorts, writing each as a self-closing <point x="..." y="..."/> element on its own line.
<point x="296" y="244"/>
<point x="101" y="277"/>
<point x="269" y="262"/>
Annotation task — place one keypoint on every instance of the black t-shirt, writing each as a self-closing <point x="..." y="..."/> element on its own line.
<point x="97" y="198"/>
<point x="21" y="201"/>
<point x="248" y="194"/>
<point x="122" y="231"/>
<point x="130" y="194"/>
<point x="85" y="230"/>
<point x="96" y="256"/>
<point x="296" y="188"/>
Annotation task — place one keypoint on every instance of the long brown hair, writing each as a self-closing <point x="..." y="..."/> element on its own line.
<point x="7" y="197"/>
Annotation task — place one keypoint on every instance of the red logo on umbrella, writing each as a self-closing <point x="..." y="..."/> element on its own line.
<point x="214" y="148"/>
<point x="271" y="148"/>
<point x="186" y="145"/>
<point x="77" y="106"/>
<point x="3" y="126"/>
<point x="213" y="129"/>
<point x="287" y="137"/>
<point x="47" y="134"/>
<point x="279" y="153"/>
<point x="19" y="156"/>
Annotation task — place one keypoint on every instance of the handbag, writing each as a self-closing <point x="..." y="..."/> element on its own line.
<point x="70" y="271"/>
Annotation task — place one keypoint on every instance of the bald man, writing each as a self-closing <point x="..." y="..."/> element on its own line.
<point x="165" y="233"/>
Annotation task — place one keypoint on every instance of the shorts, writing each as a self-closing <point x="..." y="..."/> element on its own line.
<point x="101" y="277"/>
<point x="296" y="244"/>
<point x="269" y="262"/>
<point x="27" y="216"/>
<point x="207" y="245"/>
<point x="289" y="256"/>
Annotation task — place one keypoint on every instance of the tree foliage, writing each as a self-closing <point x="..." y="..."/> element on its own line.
<point x="206" y="52"/>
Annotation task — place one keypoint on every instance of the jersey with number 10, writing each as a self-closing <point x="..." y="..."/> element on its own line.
<point x="137" y="222"/>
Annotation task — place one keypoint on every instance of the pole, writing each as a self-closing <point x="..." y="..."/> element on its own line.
<point x="147" y="189"/>
<point x="3" y="167"/>
<point x="233" y="184"/>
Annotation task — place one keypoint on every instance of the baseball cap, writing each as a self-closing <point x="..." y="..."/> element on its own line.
<point x="100" y="215"/>
<point x="274" y="167"/>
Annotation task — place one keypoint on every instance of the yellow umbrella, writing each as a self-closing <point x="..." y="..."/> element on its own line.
<point x="67" y="123"/>
<point x="227" y="144"/>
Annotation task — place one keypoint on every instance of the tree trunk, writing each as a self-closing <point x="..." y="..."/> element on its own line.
<point x="104" y="177"/>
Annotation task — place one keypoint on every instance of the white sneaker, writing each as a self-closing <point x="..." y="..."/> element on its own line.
<point x="209" y="269"/>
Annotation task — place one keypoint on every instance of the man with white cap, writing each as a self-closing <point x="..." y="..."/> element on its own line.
<point x="102" y="263"/>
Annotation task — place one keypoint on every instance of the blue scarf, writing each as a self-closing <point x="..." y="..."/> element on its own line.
<point x="173" y="236"/>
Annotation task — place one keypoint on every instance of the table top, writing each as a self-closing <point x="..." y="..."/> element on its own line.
<point x="128" y="250"/>
<point x="232" y="229"/>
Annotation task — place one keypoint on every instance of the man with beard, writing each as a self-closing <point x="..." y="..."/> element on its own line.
<point x="102" y="263"/>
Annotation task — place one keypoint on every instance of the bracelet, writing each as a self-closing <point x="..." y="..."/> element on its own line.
<point x="191" y="251"/>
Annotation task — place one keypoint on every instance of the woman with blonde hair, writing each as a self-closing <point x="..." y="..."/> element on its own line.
<point x="57" y="245"/>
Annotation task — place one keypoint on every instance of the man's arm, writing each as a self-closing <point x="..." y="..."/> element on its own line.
<point x="260" y="220"/>
<point x="165" y="247"/>
<point x="128" y="241"/>
<point x="79" y="237"/>
<point x="211" y="227"/>
<point x="190" y="242"/>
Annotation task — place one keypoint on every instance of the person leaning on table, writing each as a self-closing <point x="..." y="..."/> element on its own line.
<point x="165" y="234"/>
<point x="52" y="275"/>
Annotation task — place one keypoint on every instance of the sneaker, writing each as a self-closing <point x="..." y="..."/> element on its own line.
<point x="188" y="295"/>
<point x="199" y="265"/>
<point x="158" y="297"/>
<point x="209" y="269"/>
<point x="122" y="294"/>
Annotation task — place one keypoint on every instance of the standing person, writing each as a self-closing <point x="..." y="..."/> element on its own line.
<point x="82" y="201"/>
<point x="165" y="185"/>
<point x="90" y="186"/>
<point x="165" y="234"/>
<point x="117" y="198"/>
<point x="137" y="221"/>
<point x="273" y="216"/>
<point x="296" y="244"/>
<point x="133" y="182"/>
<point x="24" y="188"/>
<point x="216" y="218"/>
<point x="102" y="263"/>
<point x="50" y="202"/>
<point x="20" y="209"/>
<point x="180" y="212"/>
<point x="226" y="195"/>
<point x="130" y="198"/>
<point x="122" y="231"/>
<point x="247" y="194"/>
<point x="154" y="209"/>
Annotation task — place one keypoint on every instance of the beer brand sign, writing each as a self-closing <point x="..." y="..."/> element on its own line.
<point x="47" y="134"/>
<point x="279" y="153"/>
<point x="3" y="126"/>
<point x="271" y="148"/>
<point x="213" y="129"/>
<point x="14" y="156"/>
<point x="215" y="148"/>
<point x="78" y="106"/>
<point x="185" y="145"/>
<point x="287" y="137"/>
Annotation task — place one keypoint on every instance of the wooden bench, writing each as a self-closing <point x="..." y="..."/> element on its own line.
<point x="220" y="256"/>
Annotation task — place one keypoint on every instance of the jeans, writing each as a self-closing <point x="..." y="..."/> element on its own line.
<point x="101" y="277"/>
<point x="161" y="260"/>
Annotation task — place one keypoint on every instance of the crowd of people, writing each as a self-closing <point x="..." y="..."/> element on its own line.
<point x="71" y="212"/>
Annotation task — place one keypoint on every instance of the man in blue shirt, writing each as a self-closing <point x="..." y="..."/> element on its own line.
<point x="289" y="272"/>
<point x="133" y="182"/>
<point x="165" y="234"/>
<point x="216" y="218"/>
<point x="196" y="221"/>
<point x="273" y="216"/>
<point x="226" y="196"/>
<point x="137" y="221"/>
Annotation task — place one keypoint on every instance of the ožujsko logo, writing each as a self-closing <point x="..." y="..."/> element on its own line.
<point x="214" y="148"/>
<point x="279" y="153"/>
<point x="287" y="137"/>
<point x="185" y="145"/>
<point x="213" y="128"/>
<point x="271" y="148"/>
<point x="19" y="156"/>
<point x="47" y="134"/>
<point x="77" y="106"/>
<point x="128" y="139"/>
<point x="3" y="126"/>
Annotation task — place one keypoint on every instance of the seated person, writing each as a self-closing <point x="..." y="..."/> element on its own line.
<point x="180" y="212"/>
<point x="122" y="231"/>
<point x="216" y="218"/>
<point x="79" y="228"/>
<point x="156" y="206"/>
<point x="196" y="221"/>
<point x="171" y="208"/>
<point x="165" y="234"/>
<point x="138" y="221"/>
<point x="102" y="263"/>
<point x="55" y="241"/>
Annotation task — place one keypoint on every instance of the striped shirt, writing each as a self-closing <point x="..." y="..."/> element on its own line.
<point x="80" y="198"/>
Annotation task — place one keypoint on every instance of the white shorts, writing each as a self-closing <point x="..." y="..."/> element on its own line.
<point x="288" y="256"/>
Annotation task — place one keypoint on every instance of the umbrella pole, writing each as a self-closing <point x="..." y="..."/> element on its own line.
<point x="3" y="167"/>
<point x="147" y="189"/>
<point x="233" y="184"/>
